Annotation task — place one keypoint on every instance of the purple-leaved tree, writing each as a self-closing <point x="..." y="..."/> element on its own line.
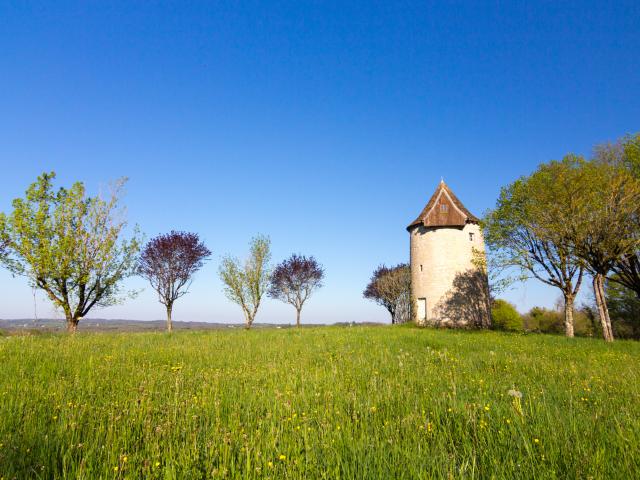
<point x="294" y="280"/>
<point x="169" y="262"/>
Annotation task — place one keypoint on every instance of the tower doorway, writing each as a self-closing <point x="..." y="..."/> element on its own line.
<point x="422" y="310"/>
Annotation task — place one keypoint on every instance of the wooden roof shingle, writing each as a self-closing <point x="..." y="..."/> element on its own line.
<point x="444" y="209"/>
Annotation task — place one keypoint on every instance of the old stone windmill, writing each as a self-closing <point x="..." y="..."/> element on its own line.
<point x="448" y="282"/>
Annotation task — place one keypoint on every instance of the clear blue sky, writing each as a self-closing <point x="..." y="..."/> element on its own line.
<point x="326" y="125"/>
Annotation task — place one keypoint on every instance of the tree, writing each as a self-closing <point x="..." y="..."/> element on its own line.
<point x="391" y="288"/>
<point x="69" y="245"/>
<point x="169" y="262"/>
<point x="245" y="284"/>
<point x="522" y="231"/>
<point x="626" y="154"/>
<point x="603" y="229"/>
<point x="294" y="280"/>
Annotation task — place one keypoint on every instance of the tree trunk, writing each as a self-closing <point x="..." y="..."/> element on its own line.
<point x="568" y="315"/>
<point x="169" y="322"/>
<point x="603" y="311"/>
<point x="297" y="317"/>
<point x="72" y="324"/>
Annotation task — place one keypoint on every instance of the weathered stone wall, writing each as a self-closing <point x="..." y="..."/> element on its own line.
<point x="440" y="256"/>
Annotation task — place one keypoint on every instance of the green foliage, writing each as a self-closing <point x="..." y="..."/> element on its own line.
<point x="360" y="402"/>
<point x="625" y="152"/>
<point x="523" y="232"/>
<point x="544" y="320"/>
<point x="245" y="284"/>
<point x="570" y="216"/>
<point x="624" y="309"/>
<point x="69" y="245"/>
<point x="586" y="323"/>
<point x="631" y="145"/>
<point x="504" y="316"/>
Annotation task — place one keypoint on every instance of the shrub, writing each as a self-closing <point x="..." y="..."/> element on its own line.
<point x="585" y="323"/>
<point x="543" y="320"/>
<point x="624" y="308"/>
<point x="505" y="316"/>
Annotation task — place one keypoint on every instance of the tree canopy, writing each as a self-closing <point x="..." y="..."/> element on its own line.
<point x="169" y="262"/>
<point x="522" y="231"/>
<point x="69" y="245"/>
<point x="391" y="288"/>
<point x="294" y="280"/>
<point x="246" y="283"/>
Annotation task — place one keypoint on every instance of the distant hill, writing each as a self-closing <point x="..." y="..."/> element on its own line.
<point x="103" y="324"/>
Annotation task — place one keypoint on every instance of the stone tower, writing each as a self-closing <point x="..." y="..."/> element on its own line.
<point x="448" y="284"/>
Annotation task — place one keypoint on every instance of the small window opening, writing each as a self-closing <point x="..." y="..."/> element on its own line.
<point x="444" y="208"/>
<point x="420" y="267"/>
<point x="471" y="236"/>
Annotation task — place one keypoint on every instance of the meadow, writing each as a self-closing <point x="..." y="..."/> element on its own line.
<point x="323" y="402"/>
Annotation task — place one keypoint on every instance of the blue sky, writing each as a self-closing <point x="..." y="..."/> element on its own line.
<point x="326" y="125"/>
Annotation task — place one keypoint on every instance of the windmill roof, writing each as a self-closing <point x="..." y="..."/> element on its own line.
<point x="444" y="209"/>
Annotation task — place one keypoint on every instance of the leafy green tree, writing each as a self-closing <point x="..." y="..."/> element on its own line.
<point x="69" y="245"/>
<point x="603" y="228"/>
<point x="246" y="283"/>
<point x="521" y="232"/>
<point x="504" y="316"/>
<point x="626" y="153"/>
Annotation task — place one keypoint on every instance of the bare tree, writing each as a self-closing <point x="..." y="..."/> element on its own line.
<point x="391" y="288"/>
<point x="245" y="284"/>
<point x="169" y="262"/>
<point x="294" y="280"/>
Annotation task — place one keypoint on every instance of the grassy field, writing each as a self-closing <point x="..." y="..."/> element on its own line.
<point x="327" y="402"/>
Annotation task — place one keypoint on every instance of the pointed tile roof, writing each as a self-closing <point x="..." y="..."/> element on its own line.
<point x="444" y="209"/>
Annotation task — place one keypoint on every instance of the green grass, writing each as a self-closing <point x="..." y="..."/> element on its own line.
<point x="332" y="402"/>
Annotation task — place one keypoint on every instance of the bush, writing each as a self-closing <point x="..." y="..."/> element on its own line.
<point x="543" y="320"/>
<point x="505" y="316"/>
<point x="585" y="323"/>
<point x="624" y="309"/>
